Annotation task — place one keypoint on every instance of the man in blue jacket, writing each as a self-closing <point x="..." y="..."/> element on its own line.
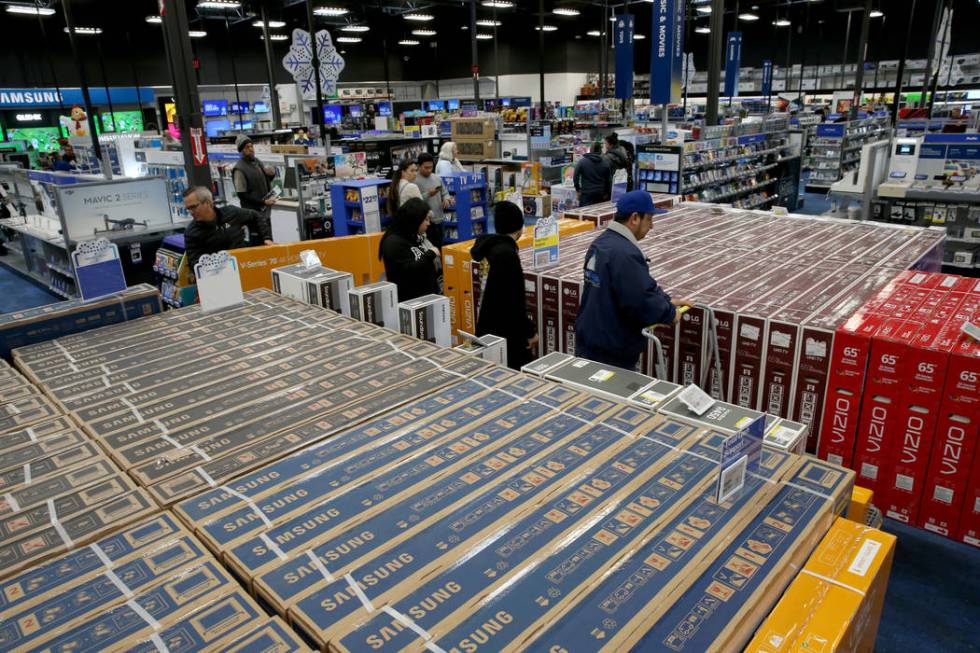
<point x="620" y="297"/>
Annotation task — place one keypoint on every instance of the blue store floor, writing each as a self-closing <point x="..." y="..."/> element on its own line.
<point x="932" y="602"/>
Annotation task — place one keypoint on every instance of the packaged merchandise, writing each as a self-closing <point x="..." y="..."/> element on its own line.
<point x="376" y="303"/>
<point x="426" y="318"/>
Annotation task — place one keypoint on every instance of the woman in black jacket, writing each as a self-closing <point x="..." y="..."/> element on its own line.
<point x="411" y="262"/>
<point x="503" y="306"/>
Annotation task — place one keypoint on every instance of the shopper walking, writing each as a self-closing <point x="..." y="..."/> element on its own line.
<point x="449" y="159"/>
<point x="216" y="229"/>
<point x="435" y="194"/>
<point x="620" y="297"/>
<point x="403" y="186"/>
<point x="503" y="306"/>
<point x="411" y="261"/>
<point x="252" y="181"/>
<point x="593" y="177"/>
<point x="618" y="159"/>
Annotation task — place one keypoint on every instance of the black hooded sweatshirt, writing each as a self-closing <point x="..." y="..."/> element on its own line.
<point x="503" y="306"/>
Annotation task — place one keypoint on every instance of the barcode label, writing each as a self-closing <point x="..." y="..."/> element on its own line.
<point x="943" y="494"/>
<point x="542" y="259"/>
<point x="904" y="482"/>
<point x="869" y="471"/>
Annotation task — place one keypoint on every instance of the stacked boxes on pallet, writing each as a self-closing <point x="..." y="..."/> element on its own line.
<point x="779" y="287"/>
<point x="904" y="401"/>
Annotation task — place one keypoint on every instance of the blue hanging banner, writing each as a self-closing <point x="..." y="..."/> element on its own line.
<point x="667" y="53"/>
<point x="624" y="56"/>
<point x="733" y="58"/>
<point x="767" y="77"/>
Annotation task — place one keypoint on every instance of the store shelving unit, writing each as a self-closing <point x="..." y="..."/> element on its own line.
<point x="836" y="149"/>
<point x="347" y="199"/>
<point x="469" y="208"/>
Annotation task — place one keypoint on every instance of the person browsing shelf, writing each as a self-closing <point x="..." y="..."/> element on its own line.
<point x="403" y="186"/>
<point x="434" y="193"/>
<point x="216" y="229"/>
<point x="411" y="261"/>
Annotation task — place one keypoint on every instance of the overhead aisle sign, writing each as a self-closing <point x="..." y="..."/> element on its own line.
<point x="733" y="58"/>
<point x="667" y="53"/>
<point x="624" y="56"/>
<point x="767" y="77"/>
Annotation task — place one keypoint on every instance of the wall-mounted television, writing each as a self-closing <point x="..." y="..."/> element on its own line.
<point x="260" y="107"/>
<point x="213" y="127"/>
<point x="123" y="121"/>
<point x="215" y="108"/>
<point x="436" y="105"/>
<point x="384" y="108"/>
<point x="237" y="107"/>
<point x="356" y="111"/>
<point x="452" y="105"/>
<point x="332" y="114"/>
<point x="42" y="139"/>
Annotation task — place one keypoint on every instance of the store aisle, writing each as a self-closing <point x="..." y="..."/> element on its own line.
<point x="17" y="293"/>
<point x="931" y="603"/>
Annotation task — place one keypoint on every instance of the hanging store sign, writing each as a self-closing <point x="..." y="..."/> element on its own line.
<point x="28" y="117"/>
<point x="767" y="77"/>
<point x="198" y="146"/>
<point x="299" y="63"/>
<point x="667" y="53"/>
<point x="624" y="56"/>
<point x="51" y="97"/>
<point x="733" y="58"/>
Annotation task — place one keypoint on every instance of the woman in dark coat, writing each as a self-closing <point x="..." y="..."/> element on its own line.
<point x="411" y="261"/>
<point x="503" y="306"/>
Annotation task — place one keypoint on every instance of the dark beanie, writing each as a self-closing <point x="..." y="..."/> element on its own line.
<point x="242" y="141"/>
<point x="508" y="218"/>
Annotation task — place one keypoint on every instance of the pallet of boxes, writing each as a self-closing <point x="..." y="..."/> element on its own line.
<point x="475" y="138"/>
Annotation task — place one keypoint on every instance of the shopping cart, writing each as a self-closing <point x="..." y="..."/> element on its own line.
<point x="660" y="360"/>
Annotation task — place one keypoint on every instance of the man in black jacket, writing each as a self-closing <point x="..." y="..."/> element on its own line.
<point x="593" y="177"/>
<point x="252" y="179"/>
<point x="503" y="306"/>
<point x="216" y="229"/>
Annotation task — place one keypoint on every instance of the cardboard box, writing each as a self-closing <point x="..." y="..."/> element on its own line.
<point x="472" y="129"/>
<point x="489" y="347"/>
<point x="860" y="507"/>
<point x="476" y="150"/>
<point x="376" y="303"/>
<point x="426" y="318"/>
<point x="319" y="286"/>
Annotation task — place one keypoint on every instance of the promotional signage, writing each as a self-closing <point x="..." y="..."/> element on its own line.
<point x="50" y="97"/>
<point x="624" y="56"/>
<point x="98" y="268"/>
<point x="545" y="243"/>
<point x="299" y="63"/>
<point x="218" y="282"/>
<point x="666" y="55"/>
<point x="91" y="209"/>
<point x="733" y="57"/>
<point x="28" y="117"/>
<point x="199" y="146"/>
<point x="740" y="455"/>
<point x="767" y="77"/>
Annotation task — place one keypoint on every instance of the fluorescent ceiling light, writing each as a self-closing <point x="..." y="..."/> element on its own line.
<point x="547" y="28"/>
<point x="423" y="32"/>
<point x="748" y="16"/>
<point x="594" y="32"/>
<point x="566" y="11"/>
<point x="408" y="42"/>
<point x="86" y="30"/>
<point x="330" y="11"/>
<point x="484" y="37"/>
<point x="781" y="22"/>
<point x="876" y="13"/>
<point x="156" y="20"/>
<point x="197" y="33"/>
<point x="348" y="39"/>
<point x="702" y="30"/>
<point x="421" y="18"/>
<point x="638" y="37"/>
<point x="486" y="22"/>
<point x="612" y="19"/>
<point x="272" y="37"/>
<point x="29" y="11"/>
<point x="272" y="24"/>
<point x="219" y="4"/>
<point x="498" y="4"/>
<point x="355" y="28"/>
<point x="704" y="9"/>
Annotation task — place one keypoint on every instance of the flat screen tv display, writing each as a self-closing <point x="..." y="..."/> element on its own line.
<point x="42" y="139"/>
<point x="214" y="108"/>
<point x="123" y="122"/>
<point x="384" y="108"/>
<point x="213" y="127"/>
<point x="260" y="107"/>
<point x="242" y="107"/>
<point x="332" y="114"/>
<point x="452" y="105"/>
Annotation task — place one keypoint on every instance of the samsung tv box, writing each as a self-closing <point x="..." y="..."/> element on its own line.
<point x="488" y="347"/>
<point x="426" y="318"/>
<point x="546" y="363"/>
<point x="605" y="380"/>
<point x="376" y="303"/>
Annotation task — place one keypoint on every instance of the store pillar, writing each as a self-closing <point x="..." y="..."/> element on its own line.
<point x="861" y="58"/>
<point x="714" y="60"/>
<point x="106" y="170"/>
<point x="189" y="119"/>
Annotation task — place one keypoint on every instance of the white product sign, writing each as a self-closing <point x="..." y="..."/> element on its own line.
<point x="310" y="259"/>
<point x="218" y="282"/>
<point x="86" y="207"/>
<point x="696" y="399"/>
<point x="372" y="212"/>
<point x="98" y="269"/>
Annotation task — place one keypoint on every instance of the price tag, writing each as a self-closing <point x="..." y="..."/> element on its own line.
<point x="602" y="376"/>
<point x="971" y="329"/>
<point x="372" y="212"/>
<point x="98" y="268"/>
<point x="696" y="399"/>
<point x="740" y="455"/>
<point x="545" y="243"/>
<point x="309" y="259"/>
<point x="218" y="282"/>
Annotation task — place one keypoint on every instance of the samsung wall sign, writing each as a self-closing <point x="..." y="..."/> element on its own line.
<point x="52" y="97"/>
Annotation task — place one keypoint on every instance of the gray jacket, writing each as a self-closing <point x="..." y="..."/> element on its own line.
<point x="426" y="184"/>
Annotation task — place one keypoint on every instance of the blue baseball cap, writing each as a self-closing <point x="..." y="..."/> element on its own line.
<point x="636" y="201"/>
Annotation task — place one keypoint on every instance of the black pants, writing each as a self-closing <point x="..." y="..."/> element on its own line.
<point x="434" y="233"/>
<point x="589" y="199"/>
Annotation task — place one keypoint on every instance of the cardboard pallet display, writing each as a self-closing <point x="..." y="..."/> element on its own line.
<point x="779" y="288"/>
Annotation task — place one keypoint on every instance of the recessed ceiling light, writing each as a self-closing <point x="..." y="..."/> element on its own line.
<point x="219" y="4"/>
<point x="29" y="11"/>
<point x="612" y="19"/>
<point x="486" y="22"/>
<point x="594" y="32"/>
<point x="197" y="34"/>
<point x="705" y="9"/>
<point x="423" y="32"/>
<point x="484" y="37"/>
<point x="330" y="11"/>
<point x="421" y="18"/>
<point x="638" y="37"/>
<point x="355" y="28"/>
<point x="702" y="30"/>
<point x="566" y="11"/>
<point x="348" y="39"/>
<point x="272" y="24"/>
<point x="748" y="16"/>
<point x="547" y="28"/>
<point x="408" y="42"/>
<point x="156" y="20"/>
<point x="498" y="4"/>
<point x="86" y="30"/>
<point x="272" y="37"/>
<point x="781" y="22"/>
<point x="876" y="13"/>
